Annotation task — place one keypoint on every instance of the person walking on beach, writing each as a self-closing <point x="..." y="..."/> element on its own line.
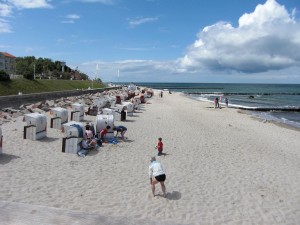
<point x="120" y="129"/>
<point x="159" y="146"/>
<point x="157" y="175"/>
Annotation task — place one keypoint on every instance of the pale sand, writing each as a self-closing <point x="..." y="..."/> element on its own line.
<point x="223" y="167"/>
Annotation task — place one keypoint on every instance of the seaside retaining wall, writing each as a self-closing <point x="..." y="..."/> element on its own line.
<point x="15" y="101"/>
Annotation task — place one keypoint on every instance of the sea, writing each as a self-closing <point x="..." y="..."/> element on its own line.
<point x="270" y="102"/>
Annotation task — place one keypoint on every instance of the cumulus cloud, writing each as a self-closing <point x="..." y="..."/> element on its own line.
<point x="266" y="39"/>
<point x="139" y="21"/>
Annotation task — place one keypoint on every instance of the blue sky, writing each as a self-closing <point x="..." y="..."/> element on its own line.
<point x="232" y="41"/>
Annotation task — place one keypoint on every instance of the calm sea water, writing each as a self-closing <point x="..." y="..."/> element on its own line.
<point x="278" y="102"/>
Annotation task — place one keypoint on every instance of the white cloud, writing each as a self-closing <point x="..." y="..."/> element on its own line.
<point x="73" y="16"/>
<point x="108" y="2"/>
<point x="139" y="21"/>
<point x="264" y="47"/>
<point x="266" y="39"/>
<point x="30" y="4"/>
<point x="5" y="10"/>
<point x="270" y="12"/>
<point x="4" y="26"/>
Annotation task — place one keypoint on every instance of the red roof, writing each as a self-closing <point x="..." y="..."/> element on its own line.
<point x="8" y="55"/>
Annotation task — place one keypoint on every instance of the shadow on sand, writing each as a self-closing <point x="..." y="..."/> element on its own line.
<point x="6" y="158"/>
<point x="48" y="139"/>
<point x="128" y="121"/>
<point x="163" y="154"/>
<point x="174" y="195"/>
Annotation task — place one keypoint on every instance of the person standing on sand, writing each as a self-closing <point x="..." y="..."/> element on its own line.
<point x="157" y="175"/>
<point x="159" y="146"/>
<point x="216" y="103"/>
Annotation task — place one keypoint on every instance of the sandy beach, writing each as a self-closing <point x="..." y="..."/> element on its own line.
<point x="222" y="167"/>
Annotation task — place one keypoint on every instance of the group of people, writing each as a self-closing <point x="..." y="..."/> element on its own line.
<point x="119" y="130"/>
<point x="217" y="104"/>
<point x="94" y="140"/>
<point x="156" y="170"/>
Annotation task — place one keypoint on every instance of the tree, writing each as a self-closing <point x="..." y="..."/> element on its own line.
<point x="44" y="67"/>
<point x="28" y="73"/>
<point x="84" y="76"/>
<point x="25" y="66"/>
<point x="66" y="76"/>
<point x="98" y="80"/>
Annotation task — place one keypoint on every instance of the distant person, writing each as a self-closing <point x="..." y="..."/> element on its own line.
<point x="226" y="101"/>
<point x="159" y="146"/>
<point x="161" y="93"/>
<point x="120" y="129"/>
<point x="104" y="132"/>
<point x="216" y="103"/>
<point x="157" y="175"/>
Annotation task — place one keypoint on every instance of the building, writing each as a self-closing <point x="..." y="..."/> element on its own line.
<point x="7" y="63"/>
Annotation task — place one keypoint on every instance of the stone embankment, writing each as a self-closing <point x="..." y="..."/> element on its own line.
<point x="14" y="106"/>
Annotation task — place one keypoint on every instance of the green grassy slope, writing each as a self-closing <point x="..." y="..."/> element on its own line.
<point x="27" y="86"/>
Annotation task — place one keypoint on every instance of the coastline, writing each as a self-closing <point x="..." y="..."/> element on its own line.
<point x="277" y="123"/>
<point x="223" y="167"/>
<point x="255" y="115"/>
<point x="270" y="101"/>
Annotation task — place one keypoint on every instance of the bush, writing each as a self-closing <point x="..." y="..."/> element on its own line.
<point x="4" y="76"/>
<point x="28" y="74"/>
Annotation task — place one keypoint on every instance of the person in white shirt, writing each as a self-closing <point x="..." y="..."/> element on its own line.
<point x="157" y="175"/>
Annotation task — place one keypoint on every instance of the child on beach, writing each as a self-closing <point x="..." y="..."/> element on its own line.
<point x="104" y="132"/>
<point x="159" y="146"/>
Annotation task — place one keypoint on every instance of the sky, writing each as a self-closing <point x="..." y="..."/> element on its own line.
<point x="209" y="41"/>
